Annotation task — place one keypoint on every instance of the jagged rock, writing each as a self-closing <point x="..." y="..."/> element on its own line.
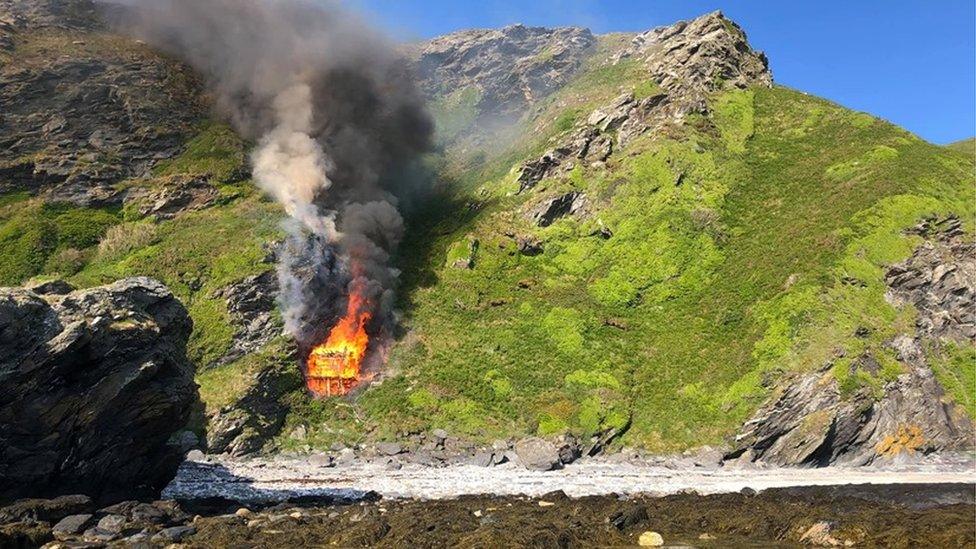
<point x="177" y="195"/>
<point x="92" y="386"/>
<point x="251" y="304"/>
<point x="939" y="280"/>
<point x="510" y="68"/>
<point x="70" y="526"/>
<point x="808" y="422"/>
<point x="688" y="60"/>
<point x="81" y="115"/>
<point x="537" y="454"/>
<point x="245" y="426"/>
<point x="548" y="211"/>
<point x="51" y="287"/>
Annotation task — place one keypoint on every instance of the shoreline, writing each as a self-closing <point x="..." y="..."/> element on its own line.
<point x="268" y="480"/>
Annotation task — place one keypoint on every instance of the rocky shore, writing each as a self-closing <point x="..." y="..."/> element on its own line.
<point x="939" y="515"/>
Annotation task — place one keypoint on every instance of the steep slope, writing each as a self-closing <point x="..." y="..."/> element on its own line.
<point x="635" y="234"/>
<point x="668" y="284"/>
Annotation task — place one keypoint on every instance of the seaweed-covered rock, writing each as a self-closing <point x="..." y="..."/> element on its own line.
<point x="93" y="383"/>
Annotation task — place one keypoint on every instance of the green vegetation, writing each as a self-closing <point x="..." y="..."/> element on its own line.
<point x="38" y="237"/>
<point x="967" y="146"/>
<point x="741" y="251"/>
<point x="216" y="150"/>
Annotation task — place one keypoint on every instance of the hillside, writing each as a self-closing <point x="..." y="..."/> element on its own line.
<point x="645" y="244"/>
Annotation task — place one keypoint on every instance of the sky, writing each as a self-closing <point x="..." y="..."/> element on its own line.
<point x="910" y="62"/>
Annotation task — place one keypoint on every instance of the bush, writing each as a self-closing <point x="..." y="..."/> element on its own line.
<point x="123" y="239"/>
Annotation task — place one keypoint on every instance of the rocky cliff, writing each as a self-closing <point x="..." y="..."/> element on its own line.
<point x="84" y="109"/>
<point x="508" y="69"/>
<point x="93" y="385"/>
<point x="809" y="421"/>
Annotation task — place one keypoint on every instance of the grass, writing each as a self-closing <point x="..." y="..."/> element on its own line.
<point x="732" y="259"/>
<point x="33" y="233"/>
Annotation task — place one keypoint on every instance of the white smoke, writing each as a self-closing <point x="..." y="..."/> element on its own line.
<point x="290" y="165"/>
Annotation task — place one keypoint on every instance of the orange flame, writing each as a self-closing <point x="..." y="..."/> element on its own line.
<point x="333" y="367"/>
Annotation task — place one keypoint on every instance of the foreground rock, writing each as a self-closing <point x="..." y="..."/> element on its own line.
<point x="93" y="383"/>
<point x="808" y="421"/>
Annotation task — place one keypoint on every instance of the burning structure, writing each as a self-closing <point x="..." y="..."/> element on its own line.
<point x="334" y="366"/>
<point x="338" y="121"/>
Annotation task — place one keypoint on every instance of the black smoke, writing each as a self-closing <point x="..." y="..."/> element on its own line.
<point x="337" y="120"/>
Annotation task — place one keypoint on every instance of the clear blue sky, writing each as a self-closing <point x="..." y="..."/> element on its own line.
<point x="913" y="63"/>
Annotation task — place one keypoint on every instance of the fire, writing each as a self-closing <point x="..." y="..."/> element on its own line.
<point x="333" y="367"/>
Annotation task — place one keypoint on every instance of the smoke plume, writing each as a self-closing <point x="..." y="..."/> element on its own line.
<point x="336" y="119"/>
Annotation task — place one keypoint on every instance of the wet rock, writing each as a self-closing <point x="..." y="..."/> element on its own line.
<point x="93" y="384"/>
<point x="537" y="454"/>
<point x="111" y="524"/>
<point x="70" y="526"/>
<point x="46" y="510"/>
<point x="174" y="534"/>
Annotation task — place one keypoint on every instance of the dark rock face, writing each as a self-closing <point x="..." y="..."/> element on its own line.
<point x="92" y="385"/>
<point x="251" y="304"/>
<point x="808" y="422"/>
<point x="511" y="68"/>
<point x="81" y="109"/>
<point x="549" y="210"/>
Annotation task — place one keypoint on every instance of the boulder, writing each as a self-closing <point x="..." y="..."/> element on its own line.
<point x="93" y="384"/>
<point x="70" y="526"/>
<point x="537" y="454"/>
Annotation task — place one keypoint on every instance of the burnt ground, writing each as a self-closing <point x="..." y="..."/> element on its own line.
<point x="869" y="516"/>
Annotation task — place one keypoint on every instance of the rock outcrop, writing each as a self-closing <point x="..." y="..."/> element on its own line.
<point x="511" y="68"/>
<point x="93" y="383"/>
<point x="809" y="422"/>
<point x="688" y="61"/>
<point x="247" y="425"/>
<point x="251" y="304"/>
<point x="82" y="109"/>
